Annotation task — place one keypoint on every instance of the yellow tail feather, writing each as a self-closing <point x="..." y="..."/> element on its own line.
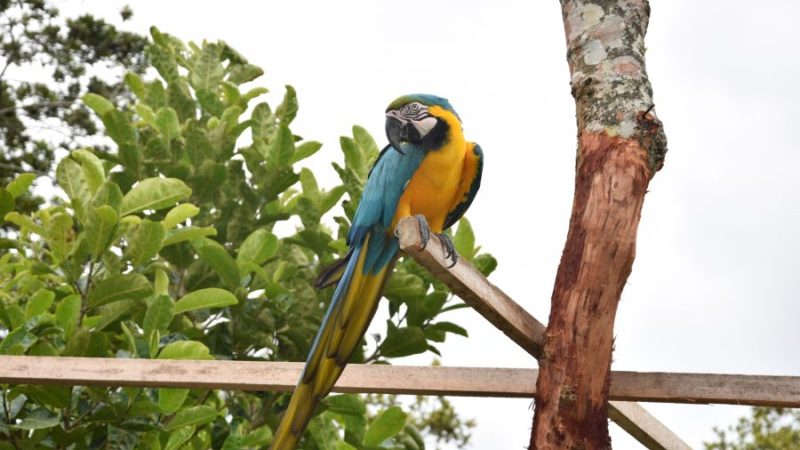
<point x="341" y="334"/>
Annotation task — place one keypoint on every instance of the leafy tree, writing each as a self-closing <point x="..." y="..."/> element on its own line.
<point x="166" y="249"/>
<point x="46" y="64"/>
<point x="766" y="429"/>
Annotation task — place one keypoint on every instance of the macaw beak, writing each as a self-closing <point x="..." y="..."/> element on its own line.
<point x="396" y="130"/>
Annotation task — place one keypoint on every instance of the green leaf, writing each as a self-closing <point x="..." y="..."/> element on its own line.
<point x="403" y="342"/>
<point x="187" y="234"/>
<point x="57" y="396"/>
<point x="262" y="122"/>
<point x="258" y="247"/>
<point x="154" y="193"/>
<point x="193" y="416"/>
<point x="7" y="203"/>
<point x="207" y="71"/>
<point x="20" y="184"/>
<point x="353" y="158"/>
<point x="78" y="343"/>
<point x="161" y="282"/>
<point x="145" y="242"/>
<point x="405" y="287"/>
<point x="179" y="437"/>
<point x="305" y="150"/>
<point x="205" y="298"/>
<point x="215" y="255"/>
<point x="25" y="223"/>
<point x="120" y="439"/>
<point x="185" y="350"/>
<point x="92" y="167"/>
<point x="167" y="123"/>
<point x="146" y="113"/>
<point x="68" y="312"/>
<point x="485" y="263"/>
<point x="38" y="420"/>
<point x="71" y="178"/>
<point x="309" y="184"/>
<point x="17" y="342"/>
<point x="242" y="73"/>
<point x="259" y="437"/>
<point x="388" y="423"/>
<point x="287" y="110"/>
<point x="159" y="314"/>
<point x="39" y="303"/>
<point x="464" y="240"/>
<point x="118" y="287"/>
<point x="171" y="399"/>
<point x="108" y="194"/>
<point x="179" y="214"/>
<point x="450" y="327"/>
<point x="136" y="84"/>
<point x="281" y="149"/>
<point x="366" y="144"/>
<point x="119" y="127"/>
<point x="346" y="404"/>
<point x="113" y="312"/>
<point x="99" y="229"/>
<point x="98" y="103"/>
<point x="331" y="198"/>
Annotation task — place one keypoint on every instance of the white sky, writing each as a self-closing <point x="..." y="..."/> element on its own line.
<point x="714" y="285"/>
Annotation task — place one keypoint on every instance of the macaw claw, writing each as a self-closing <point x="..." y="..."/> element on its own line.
<point x="449" y="248"/>
<point x="424" y="230"/>
<point x="447" y="242"/>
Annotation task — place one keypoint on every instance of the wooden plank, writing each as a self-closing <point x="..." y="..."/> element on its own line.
<point x="264" y="376"/>
<point x="457" y="381"/>
<point x="513" y="320"/>
<point x="705" y="388"/>
<point x="472" y="287"/>
<point x="629" y="416"/>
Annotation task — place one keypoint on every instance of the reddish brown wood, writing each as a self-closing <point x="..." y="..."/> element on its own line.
<point x="620" y="146"/>
<point x="572" y="389"/>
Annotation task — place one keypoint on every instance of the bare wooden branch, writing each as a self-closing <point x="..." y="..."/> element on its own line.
<point x="456" y="381"/>
<point x="524" y="329"/>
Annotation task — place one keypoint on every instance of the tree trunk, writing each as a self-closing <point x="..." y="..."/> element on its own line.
<point x="621" y="144"/>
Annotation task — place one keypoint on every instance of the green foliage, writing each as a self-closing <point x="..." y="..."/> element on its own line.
<point x="166" y="248"/>
<point x="78" y="56"/>
<point x="766" y="429"/>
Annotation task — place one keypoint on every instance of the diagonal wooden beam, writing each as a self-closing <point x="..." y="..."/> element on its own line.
<point x="513" y="320"/>
<point x="689" y="388"/>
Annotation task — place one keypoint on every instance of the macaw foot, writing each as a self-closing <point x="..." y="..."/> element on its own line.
<point x="424" y="230"/>
<point x="449" y="248"/>
<point x="447" y="243"/>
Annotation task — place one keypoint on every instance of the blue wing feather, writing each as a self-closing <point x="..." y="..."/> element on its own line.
<point x="386" y="183"/>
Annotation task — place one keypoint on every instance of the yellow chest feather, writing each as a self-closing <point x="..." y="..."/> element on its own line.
<point x="432" y="189"/>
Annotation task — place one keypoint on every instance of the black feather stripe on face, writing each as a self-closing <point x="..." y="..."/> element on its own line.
<point x="437" y="137"/>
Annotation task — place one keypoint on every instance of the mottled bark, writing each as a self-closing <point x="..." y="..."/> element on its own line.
<point x="621" y="145"/>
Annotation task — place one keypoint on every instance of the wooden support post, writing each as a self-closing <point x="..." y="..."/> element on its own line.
<point x="513" y="320"/>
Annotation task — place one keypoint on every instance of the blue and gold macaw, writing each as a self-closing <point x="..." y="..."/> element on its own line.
<point x="427" y="171"/>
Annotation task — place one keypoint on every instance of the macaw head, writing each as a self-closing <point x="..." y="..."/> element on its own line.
<point x="421" y="119"/>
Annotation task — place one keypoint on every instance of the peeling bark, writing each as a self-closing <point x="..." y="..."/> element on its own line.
<point x="621" y="144"/>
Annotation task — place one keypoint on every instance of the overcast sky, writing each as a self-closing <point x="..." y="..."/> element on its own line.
<point x="714" y="286"/>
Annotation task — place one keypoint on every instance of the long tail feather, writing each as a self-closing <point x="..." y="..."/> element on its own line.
<point x="345" y="323"/>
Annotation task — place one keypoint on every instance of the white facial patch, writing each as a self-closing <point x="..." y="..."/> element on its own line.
<point x="425" y="125"/>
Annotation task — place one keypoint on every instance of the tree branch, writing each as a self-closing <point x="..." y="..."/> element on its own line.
<point x="620" y="147"/>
